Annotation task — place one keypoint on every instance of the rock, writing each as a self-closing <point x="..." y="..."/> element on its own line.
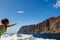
<point x="51" y="25"/>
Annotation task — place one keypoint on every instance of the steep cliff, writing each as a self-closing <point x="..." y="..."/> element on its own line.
<point x="51" y="25"/>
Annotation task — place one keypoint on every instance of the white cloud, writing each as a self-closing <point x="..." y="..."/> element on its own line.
<point x="32" y="21"/>
<point x="41" y="8"/>
<point x="20" y="12"/>
<point x="46" y="0"/>
<point x="57" y="5"/>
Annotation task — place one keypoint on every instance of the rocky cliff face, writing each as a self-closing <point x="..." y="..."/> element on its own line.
<point x="51" y="25"/>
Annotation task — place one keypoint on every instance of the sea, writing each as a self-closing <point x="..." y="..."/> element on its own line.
<point x="15" y="36"/>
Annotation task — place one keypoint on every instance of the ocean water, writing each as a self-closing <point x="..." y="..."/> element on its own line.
<point x="21" y="37"/>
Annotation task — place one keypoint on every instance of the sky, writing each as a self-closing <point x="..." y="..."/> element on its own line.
<point x="27" y="12"/>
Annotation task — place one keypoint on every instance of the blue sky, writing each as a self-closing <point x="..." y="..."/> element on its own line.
<point x="26" y="12"/>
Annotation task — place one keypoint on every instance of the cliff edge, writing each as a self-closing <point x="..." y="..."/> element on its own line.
<point x="51" y="25"/>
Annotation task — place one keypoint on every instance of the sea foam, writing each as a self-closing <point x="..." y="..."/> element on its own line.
<point x="20" y="37"/>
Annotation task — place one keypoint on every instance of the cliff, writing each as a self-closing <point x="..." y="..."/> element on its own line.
<point x="51" y="25"/>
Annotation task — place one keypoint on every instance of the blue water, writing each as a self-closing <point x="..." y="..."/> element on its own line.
<point x="49" y="36"/>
